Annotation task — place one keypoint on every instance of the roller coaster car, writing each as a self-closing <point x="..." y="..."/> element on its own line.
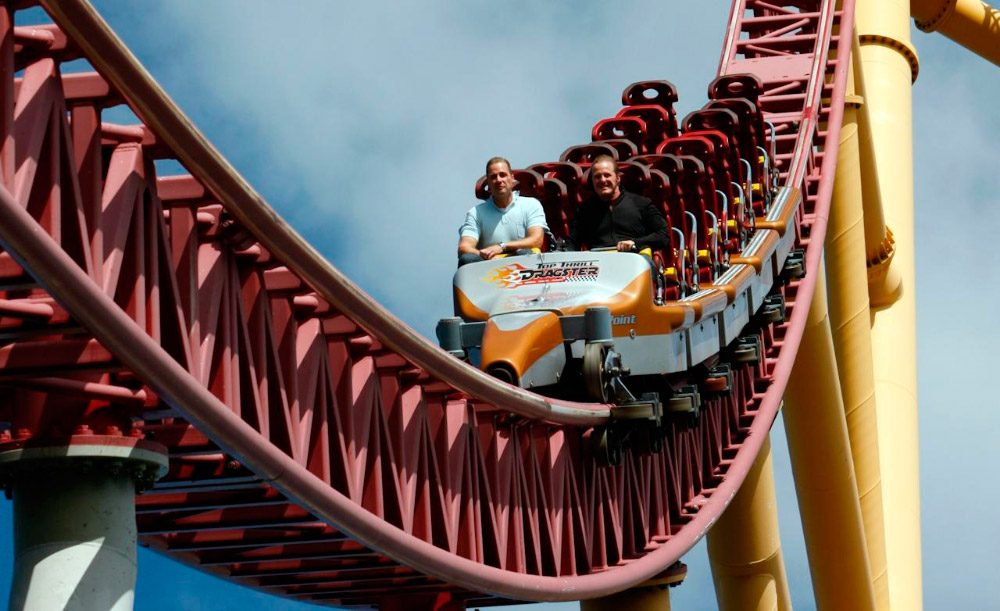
<point x="586" y="325"/>
<point x="562" y="322"/>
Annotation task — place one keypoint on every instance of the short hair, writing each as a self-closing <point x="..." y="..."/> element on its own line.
<point x="497" y="160"/>
<point x="602" y="158"/>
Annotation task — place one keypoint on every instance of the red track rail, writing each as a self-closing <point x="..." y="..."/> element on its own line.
<point x="319" y="448"/>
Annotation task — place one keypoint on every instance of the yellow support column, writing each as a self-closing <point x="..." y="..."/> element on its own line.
<point x="884" y="282"/>
<point x="745" y="549"/>
<point x="823" y="469"/>
<point x="846" y="265"/>
<point x="890" y="65"/>
<point x="973" y="24"/>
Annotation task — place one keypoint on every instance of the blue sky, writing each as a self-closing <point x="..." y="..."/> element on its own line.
<point x="365" y="125"/>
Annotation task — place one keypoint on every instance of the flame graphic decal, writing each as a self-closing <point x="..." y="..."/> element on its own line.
<point x="507" y="276"/>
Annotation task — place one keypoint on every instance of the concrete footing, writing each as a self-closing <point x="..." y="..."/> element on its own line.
<point x="74" y="524"/>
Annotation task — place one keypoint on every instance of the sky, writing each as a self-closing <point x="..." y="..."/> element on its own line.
<point x="365" y="125"/>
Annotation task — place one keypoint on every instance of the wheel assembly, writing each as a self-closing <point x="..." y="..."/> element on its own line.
<point x="596" y="379"/>
<point x="606" y="446"/>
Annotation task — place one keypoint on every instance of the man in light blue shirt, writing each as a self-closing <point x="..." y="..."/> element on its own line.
<point x="506" y="223"/>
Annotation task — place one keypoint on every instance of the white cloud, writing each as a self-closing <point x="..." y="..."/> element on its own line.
<point x="366" y="127"/>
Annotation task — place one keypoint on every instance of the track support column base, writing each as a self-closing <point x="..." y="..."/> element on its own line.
<point x="653" y="595"/>
<point x="74" y="523"/>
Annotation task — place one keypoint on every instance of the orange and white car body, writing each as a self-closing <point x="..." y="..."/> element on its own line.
<point x="533" y="307"/>
<point x="527" y="312"/>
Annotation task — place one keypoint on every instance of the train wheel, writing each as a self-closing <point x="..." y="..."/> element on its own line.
<point x="716" y="384"/>
<point x="607" y="447"/>
<point x="595" y="373"/>
<point x="747" y="350"/>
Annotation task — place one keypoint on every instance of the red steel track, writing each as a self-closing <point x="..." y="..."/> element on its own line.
<point x="319" y="448"/>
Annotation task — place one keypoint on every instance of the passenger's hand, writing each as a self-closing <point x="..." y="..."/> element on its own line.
<point x="490" y="251"/>
<point x="626" y="246"/>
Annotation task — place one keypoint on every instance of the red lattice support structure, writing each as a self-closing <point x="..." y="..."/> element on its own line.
<point x="318" y="448"/>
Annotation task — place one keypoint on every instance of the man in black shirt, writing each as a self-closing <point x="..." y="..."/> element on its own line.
<point x="616" y="218"/>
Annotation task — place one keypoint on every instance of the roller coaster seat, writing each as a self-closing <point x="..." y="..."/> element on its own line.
<point x="659" y="124"/>
<point x="722" y="123"/>
<point x="585" y="154"/>
<point x="632" y="129"/>
<point x="654" y="93"/>
<point x="750" y="124"/>
<point x="623" y="146"/>
<point x="747" y="86"/>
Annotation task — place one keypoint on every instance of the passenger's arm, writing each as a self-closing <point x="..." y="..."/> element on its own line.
<point x="467" y="244"/>
<point x="534" y="239"/>
<point x="657" y="236"/>
<point x="468" y="234"/>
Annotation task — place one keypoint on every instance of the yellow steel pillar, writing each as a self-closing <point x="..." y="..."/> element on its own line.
<point x="884" y="282"/>
<point x="745" y="549"/>
<point x="973" y="24"/>
<point x="823" y="469"/>
<point x="846" y="264"/>
<point x="890" y="65"/>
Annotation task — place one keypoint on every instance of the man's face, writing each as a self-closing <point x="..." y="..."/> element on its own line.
<point x="605" y="180"/>
<point x="500" y="180"/>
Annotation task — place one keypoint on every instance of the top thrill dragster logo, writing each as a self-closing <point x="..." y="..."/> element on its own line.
<point x="515" y="275"/>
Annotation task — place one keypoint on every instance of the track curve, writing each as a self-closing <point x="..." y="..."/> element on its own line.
<point x="417" y="400"/>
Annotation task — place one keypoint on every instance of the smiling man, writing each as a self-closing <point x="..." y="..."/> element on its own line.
<point x="506" y="223"/>
<point x="615" y="218"/>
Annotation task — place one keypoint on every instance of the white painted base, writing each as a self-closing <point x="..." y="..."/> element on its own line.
<point x="74" y="539"/>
